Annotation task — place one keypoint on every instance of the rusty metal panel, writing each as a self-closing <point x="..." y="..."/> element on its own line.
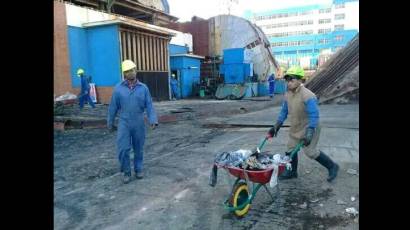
<point x="146" y="47"/>
<point x="151" y="59"/>
<point x="134" y="48"/>
<point x="152" y="53"/>
<point x="163" y="54"/>
<point x="164" y="47"/>
<point x="123" y="45"/>
<point x="143" y="52"/>
<point x="156" y="55"/>
<point x="129" y="48"/>
<point x="160" y="54"/>
<point x="148" y="51"/>
<point x="139" y="65"/>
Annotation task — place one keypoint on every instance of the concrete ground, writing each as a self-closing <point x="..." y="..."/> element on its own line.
<point x="174" y="194"/>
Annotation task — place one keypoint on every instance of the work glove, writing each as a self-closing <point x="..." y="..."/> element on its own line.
<point x="275" y="129"/>
<point x="112" y="128"/>
<point x="308" y="136"/>
<point x="153" y="126"/>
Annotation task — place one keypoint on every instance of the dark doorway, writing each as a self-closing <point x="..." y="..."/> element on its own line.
<point x="157" y="83"/>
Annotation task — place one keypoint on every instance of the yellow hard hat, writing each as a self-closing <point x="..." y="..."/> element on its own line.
<point x="80" y="72"/>
<point x="127" y="65"/>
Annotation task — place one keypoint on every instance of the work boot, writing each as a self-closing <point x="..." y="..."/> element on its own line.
<point x="127" y="178"/>
<point x="293" y="173"/>
<point x="139" y="175"/>
<point x="331" y="166"/>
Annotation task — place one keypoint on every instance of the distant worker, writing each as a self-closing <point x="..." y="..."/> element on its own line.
<point x="271" y="81"/>
<point x="130" y="98"/>
<point x="302" y="106"/>
<point x="85" y="89"/>
<point x="174" y="87"/>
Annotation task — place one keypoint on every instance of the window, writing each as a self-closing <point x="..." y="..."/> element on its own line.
<point x="324" y="41"/>
<point x="322" y="21"/>
<point x="339" y="27"/>
<point x="306" y="42"/>
<point x="339" y="16"/>
<point x="339" y="6"/>
<point x="306" y="12"/>
<point x="293" y="14"/>
<point x="323" y="31"/>
<point x="292" y="43"/>
<point x="339" y="38"/>
<point x="322" y="11"/>
<point x="285" y="34"/>
<point x="287" y="24"/>
<point x="305" y="51"/>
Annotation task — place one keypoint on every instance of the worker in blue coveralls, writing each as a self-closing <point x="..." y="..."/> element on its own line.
<point x="130" y="98"/>
<point x="302" y="106"/>
<point x="271" y="81"/>
<point x="174" y="87"/>
<point x="85" y="89"/>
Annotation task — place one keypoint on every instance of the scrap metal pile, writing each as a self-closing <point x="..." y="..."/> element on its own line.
<point x="338" y="79"/>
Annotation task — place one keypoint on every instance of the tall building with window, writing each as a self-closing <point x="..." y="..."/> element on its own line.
<point x="300" y="35"/>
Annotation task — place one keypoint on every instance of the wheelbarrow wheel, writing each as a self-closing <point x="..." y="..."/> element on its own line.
<point x="240" y="195"/>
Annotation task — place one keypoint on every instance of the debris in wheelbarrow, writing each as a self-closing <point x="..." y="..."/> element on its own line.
<point x="234" y="158"/>
<point x="245" y="159"/>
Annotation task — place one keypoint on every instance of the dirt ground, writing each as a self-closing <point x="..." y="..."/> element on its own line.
<point x="174" y="194"/>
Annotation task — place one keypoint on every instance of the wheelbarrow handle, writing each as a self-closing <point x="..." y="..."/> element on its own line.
<point x="296" y="149"/>
<point x="263" y="142"/>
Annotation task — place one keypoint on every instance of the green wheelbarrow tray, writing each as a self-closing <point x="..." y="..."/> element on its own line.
<point x="258" y="178"/>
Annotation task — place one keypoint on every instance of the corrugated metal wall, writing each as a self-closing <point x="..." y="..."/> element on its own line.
<point x="199" y="29"/>
<point x="148" y="51"/>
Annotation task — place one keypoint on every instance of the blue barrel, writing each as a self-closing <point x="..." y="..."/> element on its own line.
<point x="263" y="89"/>
<point x="280" y="86"/>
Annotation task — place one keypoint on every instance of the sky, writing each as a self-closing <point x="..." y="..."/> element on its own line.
<point x="186" y="9"/>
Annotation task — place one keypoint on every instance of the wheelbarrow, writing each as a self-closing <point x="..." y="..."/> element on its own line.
<point x="242" y="195"/>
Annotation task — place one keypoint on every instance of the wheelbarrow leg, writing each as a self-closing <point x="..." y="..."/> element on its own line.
<point x="270" y="194"/>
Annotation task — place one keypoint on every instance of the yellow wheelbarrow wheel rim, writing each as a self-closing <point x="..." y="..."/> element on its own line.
<point x="241" y="194"/>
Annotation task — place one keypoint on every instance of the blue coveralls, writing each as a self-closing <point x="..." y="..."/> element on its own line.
<point x="85" y="92"/>
<point x="271" y="80"/>
<point x="174" y="87"/>
<point x="131" y="104"/>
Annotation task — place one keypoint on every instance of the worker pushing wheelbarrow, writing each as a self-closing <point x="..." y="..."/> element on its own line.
<point x="303" y="109"/>
<point x="250" y="167"/>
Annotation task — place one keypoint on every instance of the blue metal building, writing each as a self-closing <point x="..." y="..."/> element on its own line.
<point x="97" y="51"/>
<point x="186" y="68"/>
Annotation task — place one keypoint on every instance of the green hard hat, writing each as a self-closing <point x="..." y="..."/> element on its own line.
<point x="296" y="71"/>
